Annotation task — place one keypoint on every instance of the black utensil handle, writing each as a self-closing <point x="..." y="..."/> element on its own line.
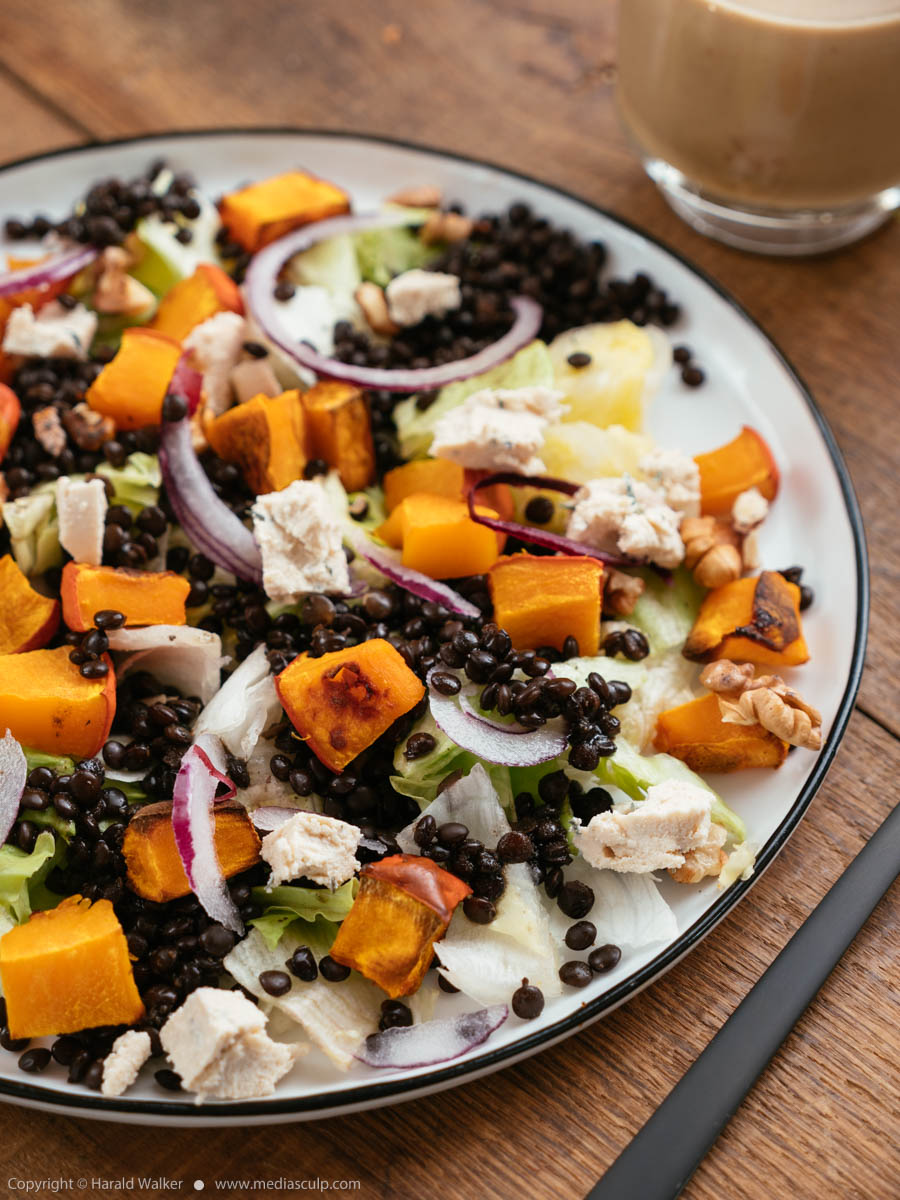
<point x="663" y="1155"/>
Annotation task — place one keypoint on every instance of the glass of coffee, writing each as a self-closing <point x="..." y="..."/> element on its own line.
<point x="772" y="125"/>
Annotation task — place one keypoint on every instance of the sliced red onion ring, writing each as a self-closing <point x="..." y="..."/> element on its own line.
<point x="260" y="283"/>
<point x="13" y="773"/>
<point x="389" y="564"/>
<point x="188" y="383"/>
<point x="431" y="1042"/>
<point x="192" y="801"/>
<point x="47" y="272"/>
<point x="507" y="745"/>
<point x="272" y="816"/>
<point x="220" y="776"/>
<point x="209" y="523"/>
<point x="541" y="537"/>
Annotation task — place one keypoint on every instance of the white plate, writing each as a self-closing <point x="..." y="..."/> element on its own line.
<point x="815" y="522"/>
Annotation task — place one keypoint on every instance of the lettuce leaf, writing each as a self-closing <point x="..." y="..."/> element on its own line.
<point x="20" y="873"/>
<point x="285" y="905"/>
<point x="531" y="367"/>
<point x="137" y="483"/>
<point x="667" y="610"/>
<point x="34" y="530"/>
<point x="56" y="762"/>
<point x="383" y="253"/>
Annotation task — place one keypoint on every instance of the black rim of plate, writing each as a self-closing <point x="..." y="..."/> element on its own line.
<point x="371" y="1093"/>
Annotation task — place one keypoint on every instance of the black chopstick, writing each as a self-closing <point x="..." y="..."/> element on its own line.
<point x="664" y="1154"/>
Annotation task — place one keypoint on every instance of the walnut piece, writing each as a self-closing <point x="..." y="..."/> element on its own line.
<point x="711" y="550"/>
<point x="88" y="429"/>
<point x="371" y="299"/>
<point x="621" y="592"/>
<point x="446" y="227"/>
<point x="48" y="430"/>
<point x="423" y="196"/>
<point x="766" y="701"/>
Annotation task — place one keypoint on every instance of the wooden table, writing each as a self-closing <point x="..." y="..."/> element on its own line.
<point x="529" y="83"/>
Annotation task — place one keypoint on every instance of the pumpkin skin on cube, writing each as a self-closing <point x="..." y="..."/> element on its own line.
<point x="10" y="414"/>
<point x="153" y="865"/>
<point x="540" y="600"/>
<point x="68" y="969"/>
<point x="696" y="733"/>
<point x="340" y="703"/>
<point x="48" y="705"/>
<point x="403" y="906"/>
<point x="28" y="620"/>
<point x="131" y="388"/>
<point x="755" y="620"/>
<point x="145" y="597"/>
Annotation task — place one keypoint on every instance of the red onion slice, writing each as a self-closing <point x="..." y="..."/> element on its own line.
<point x="50" y="271"/>
<point x="192" y="801"/>
<point x="425" y="1045"/>
<point x="209" y="523"/>
<point x="507" y="745"/>
<point x="13" y="773"/>
<point x="542" y="537"/>
<point x="389" y="564"/>
<point x="262" y="275"/>
<point x="188" y="383"/>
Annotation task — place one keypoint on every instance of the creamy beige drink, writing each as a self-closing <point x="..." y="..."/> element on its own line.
<point x="760" y="103"/>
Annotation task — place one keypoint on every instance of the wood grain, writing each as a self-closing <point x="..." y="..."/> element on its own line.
<point x="529" y="84"/>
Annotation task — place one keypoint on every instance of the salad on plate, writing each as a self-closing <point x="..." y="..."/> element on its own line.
<point x="363" y="660"/>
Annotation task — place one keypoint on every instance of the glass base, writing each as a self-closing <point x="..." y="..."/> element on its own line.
<point x="767" y="230"/>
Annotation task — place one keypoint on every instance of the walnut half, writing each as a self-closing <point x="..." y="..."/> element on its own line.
<point x="766" y="701"/>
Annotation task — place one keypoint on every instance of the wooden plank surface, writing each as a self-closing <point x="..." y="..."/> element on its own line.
<point x="529" y="84"/>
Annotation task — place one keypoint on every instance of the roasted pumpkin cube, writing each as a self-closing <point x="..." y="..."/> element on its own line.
<point x="696" y="733"/>
<point x="47" y="704"/>
<point x="68" y="969"/>
<point x="438" y="476"/>
<point x="132" y="386"/>
<point x="145" y="597"/>
<point x="540" y="600"/>
<point x="194" y="300"/>
<point x="266" y="437"/>
<point x="340" y="431"/>
<point x="28" y="620"/>
<point x="261" y="212"/>
<point x="153" y="865"/>
<point x="340" y="703"/>
<point x="403" y="906"/>
<point x="439" y="538"/>
<point x="755" y="619"/>
<point x="743" y="463"/>
<point x="10" y="413"/>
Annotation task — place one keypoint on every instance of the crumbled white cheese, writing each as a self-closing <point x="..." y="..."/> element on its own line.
<point x="750" y="509"/>
<point x="656" y="833"/>
<point x="499" y="429"/>
<point x="215" y="346"/>
<point x="254" y="377"/>
<point x="629" y="517"/>
<point x="315" y="847"/>
<point x="217" y="1043"/>
<point x="81" y="506"/>
<point x="417" y="294"/>
<point x="56" y="332"/>
<point x="299" y="538"/>
<point x="675" y="475"/>
<point x="120" y="1067"/>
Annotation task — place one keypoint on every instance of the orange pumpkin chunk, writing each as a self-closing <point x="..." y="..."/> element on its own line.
<point x="47" y="704"/>
<point x="756" y="620"/>
<point x="145" y="597"/>
<point x="340" y="703"/>
<point x="439" y="538"/>
<point x="153" y="864"/>
<point x="28" y="620"/>
<point x="194" y="300"/>
<point x="10" y="412"/>
<point x="68" y="969"/>
<point x="439" y="476"/>
<point x="266" y="437"/>
<point x="741" y="464"/>
<point x="131" y="388"/>
<point x="696" y="733"/>
<point x="260" y="213"/>
<point x="404" y="905"/>
<point x="540" y="600"/>
<point x="340" y="432"/>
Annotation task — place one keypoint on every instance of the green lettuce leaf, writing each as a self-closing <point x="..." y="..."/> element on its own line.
<point x="383" y="253"/>
<point x="285" y="905"/>
<point x="56" y="762"/>
<point x="667" y="609"/>
<point x="531" y="367"/>
<point x="34" y="530"/>
<point x="137" y="483"/>
<point x="20" y="873"/>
